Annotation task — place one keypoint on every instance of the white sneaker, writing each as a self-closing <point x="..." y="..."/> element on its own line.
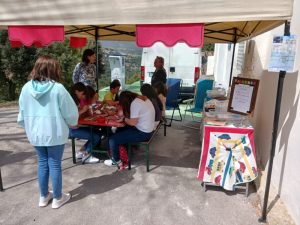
<point x="90" y="159"/>
<point x="80" y="154"/>
<point x="110" y="162"/>
<point x="44" y="201"/>
<point x="56" y="203"/>
<point x="85" y="157"/>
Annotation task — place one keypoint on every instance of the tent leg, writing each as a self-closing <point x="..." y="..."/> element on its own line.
<point x="97" y="52"/>
<point x="232" y="59"/>
<point x="1" y="184"/>
<point x="274" y="134"/>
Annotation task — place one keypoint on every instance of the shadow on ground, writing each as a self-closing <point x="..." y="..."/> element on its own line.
<point x="101" y="184"/>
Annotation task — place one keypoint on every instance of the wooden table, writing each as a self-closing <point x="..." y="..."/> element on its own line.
<point x="96" y="121"/>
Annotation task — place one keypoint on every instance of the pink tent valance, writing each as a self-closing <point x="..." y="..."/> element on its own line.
<point x="35" y="35"/>
<point x="170" y="34"/>
<point x="78" y="42"/>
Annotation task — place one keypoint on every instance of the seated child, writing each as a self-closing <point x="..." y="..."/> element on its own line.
<point x="79" y="94"/>
<point x="111" y="97"/>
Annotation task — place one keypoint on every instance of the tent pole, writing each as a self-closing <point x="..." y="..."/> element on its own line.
<point x="274" y="134"/>
<point x="232" y="59"/>
<point x="1" y="184"/>
<point x="97" y="52"/>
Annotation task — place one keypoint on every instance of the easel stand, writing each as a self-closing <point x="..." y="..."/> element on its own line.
<point x="244" y="186"/>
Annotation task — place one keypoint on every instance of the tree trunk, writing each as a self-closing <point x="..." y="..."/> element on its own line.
<point x="11" y="90"/>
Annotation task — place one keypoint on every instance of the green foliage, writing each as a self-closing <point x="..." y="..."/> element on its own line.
<point x="66" y="56"/>
<point x="17" y="63"/>
<point x="132" y="79"/>
<point x="132" y="66"/>
<point x="104" y="81"/>
<point x="101" y="65"/>
<point x="208" y="47"/>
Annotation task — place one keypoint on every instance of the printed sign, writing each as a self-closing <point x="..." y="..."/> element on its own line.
<point x="243" y="95"/>
<point x="283" y="54"/>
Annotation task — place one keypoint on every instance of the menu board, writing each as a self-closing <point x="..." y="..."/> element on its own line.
<point x="243" y="95"/>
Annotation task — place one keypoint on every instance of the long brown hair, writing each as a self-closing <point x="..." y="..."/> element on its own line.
<point x="90" y="94"/>
<point x="148" y="91"/>
<point x="125" y="100"/>
<point x="77" y="87"/>
<point x="46" y="68"/>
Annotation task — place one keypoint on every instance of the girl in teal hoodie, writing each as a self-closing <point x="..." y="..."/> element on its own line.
<point x="46" y="110"/>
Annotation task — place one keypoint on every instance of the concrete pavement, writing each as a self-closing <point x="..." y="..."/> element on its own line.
<point x="169" y="194"/>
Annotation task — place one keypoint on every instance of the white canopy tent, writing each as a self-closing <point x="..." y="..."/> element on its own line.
<point x="225" y="20"/>
<point x="78" y="12"/>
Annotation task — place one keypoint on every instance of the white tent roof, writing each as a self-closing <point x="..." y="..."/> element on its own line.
<point x="223" y="16"/>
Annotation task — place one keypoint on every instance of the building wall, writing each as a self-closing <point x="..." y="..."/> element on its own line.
<point x="285" y="176"/>
<point x="222" y="62"/>
<point x="222" y="57"/>
<point x="285" y="179"/>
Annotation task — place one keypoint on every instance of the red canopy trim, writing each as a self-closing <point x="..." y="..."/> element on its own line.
<point x="15" y="44"/>
<point x="78" y="42"/>
<point x="170" y="34"/>
<point x="35" y="35"/>
<point x="18" y="44"/>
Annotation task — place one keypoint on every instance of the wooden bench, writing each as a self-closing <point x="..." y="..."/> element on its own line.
<point x="145" y="144"/>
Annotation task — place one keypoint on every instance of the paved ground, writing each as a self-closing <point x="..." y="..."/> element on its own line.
<point x="170" y="194"/>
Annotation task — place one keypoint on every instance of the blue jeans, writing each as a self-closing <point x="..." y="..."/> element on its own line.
<point x="49" y="161"/>
<point x="124" y="136"/>
<point x="85" y="134"/>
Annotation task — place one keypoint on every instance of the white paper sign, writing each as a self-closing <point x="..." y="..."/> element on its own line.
<point x="283" y="54"/>
<point x="241" y="99"/>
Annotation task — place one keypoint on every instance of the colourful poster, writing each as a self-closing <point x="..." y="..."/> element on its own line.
<point x="228" y="156"/>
